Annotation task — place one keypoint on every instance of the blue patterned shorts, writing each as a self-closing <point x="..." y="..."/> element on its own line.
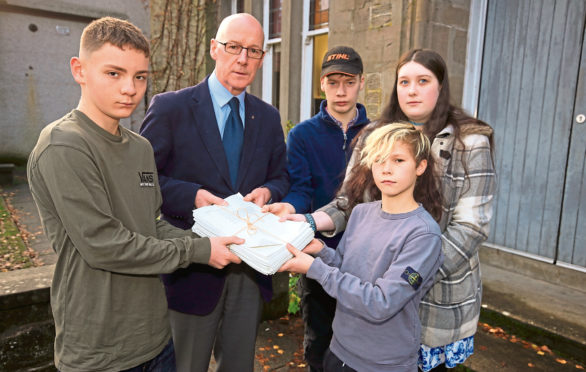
<point x="452" y="354"/>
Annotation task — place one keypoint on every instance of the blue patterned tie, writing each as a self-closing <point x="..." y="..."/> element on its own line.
<point x="233" y="137"/>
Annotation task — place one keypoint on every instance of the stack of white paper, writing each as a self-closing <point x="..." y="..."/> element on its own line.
<point x="265" y="237"/>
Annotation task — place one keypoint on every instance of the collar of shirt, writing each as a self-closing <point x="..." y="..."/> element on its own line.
<point x="339" y="123"/>
<point x="220" y="98"/>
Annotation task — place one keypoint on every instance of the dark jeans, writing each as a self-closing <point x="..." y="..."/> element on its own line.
<point x="333" y="364"/>
<point x="317" y="309"/>
<point x="164" y="362"/>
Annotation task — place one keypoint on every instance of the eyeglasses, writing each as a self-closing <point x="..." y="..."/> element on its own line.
<point x="236" y="49"/>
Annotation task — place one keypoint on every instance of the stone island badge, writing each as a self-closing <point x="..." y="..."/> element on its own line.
<point x="147" y="179"/>
<point x="412" y="277"/>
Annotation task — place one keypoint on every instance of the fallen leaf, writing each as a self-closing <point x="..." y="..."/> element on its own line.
<point x="579" y="366"/>
<point x="561" y="361"/>
<point x="280" y="351"/>
<point x="275" y="347"/>
<point x="280" y="334"/>
<point x="540" y="352"/>
<point x="530" y="365"/>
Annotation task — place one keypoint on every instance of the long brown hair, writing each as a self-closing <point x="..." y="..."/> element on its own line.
<point x="444" y="112"/>
<point x="360" y="185"/>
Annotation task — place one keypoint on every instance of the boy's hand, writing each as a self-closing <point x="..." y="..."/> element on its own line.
<point x="204" y="198"/>
<point x="300" y="262"/>
<point x="259" y="196"/>
<point x="220" y="253"/>
<point x="314" y="247"/>
<point x="279" y="209"/>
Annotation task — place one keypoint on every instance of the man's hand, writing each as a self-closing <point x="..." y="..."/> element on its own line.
<point x="259" y="196"/>
<point x="204" y="198"/>
<point x="279" y="209"/>
<point x="300" y="262"/>
<point x="220" y="253"/>
<point x="314" y="247"/>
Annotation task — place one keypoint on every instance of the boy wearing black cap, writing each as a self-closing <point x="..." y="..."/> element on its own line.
<point x="318" y="151"/>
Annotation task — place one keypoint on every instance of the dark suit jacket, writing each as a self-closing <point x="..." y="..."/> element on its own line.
<point x="189" y="153"/>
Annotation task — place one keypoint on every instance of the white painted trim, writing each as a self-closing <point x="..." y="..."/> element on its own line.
<point x="474" y="51"/>
<point x="267" y="76"/>
<point x="571" y="266"/>
<point x="519" y="253"/>
<point x="265" y="17"/>
<point x="307" y="62"/>
<point x="320" y="31"/>
<point x="267" y="64"/>
<point x="306" y="65"/>
<point x="535" y="257"/>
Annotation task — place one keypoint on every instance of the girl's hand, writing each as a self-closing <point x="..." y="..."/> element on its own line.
<point x="279" y="209"/>
<point x="314" y="247"/>
<point x="300" y="262"/>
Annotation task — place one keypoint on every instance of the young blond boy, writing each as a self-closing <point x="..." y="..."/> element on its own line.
<point x="96" y="188"/>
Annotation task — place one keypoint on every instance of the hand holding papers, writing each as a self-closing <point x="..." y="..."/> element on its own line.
<point x="301" y="261"/>
<point x="265" y="237"/>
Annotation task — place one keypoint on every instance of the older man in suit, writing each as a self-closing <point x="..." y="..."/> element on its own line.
<point x="210" y="141"/>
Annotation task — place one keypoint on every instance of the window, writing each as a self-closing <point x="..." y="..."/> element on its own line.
<point x="318" y="14"/>
<point x="271" y="74"/>
<point x="320" y="47"/>
<point x="315" y="45"/>
<point x="275" y="19"/>
<point x="237" y="6"/>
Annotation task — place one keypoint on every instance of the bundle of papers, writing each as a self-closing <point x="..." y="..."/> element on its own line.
<point x="264" y="248"/>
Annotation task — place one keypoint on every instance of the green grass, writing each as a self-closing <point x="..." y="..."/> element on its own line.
<point x="14" y="254"/>
<point x="294" y="300"/>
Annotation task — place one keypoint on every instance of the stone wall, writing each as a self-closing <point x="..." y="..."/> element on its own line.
<point x="27" y="330"/>
<point x="37" y="40"/>
<point x="381" y="31"/>
<point x="442" y="25"/>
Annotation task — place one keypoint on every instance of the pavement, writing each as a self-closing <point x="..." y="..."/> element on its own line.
<point x="532" y="320"/>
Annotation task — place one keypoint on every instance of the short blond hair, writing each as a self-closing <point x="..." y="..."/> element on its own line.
<point x="380" y="142"/>
<point x="115" y="31"/>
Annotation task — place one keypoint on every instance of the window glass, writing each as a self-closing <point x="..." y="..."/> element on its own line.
<point x="274" y="19"/>
<point x="320" y="47"/>
<point x="318" y="14"/>
<point x="276" y="75"/>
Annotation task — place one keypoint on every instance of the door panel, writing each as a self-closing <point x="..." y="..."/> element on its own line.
<point x="528" y="88"/>
<point x="572" y="241"/>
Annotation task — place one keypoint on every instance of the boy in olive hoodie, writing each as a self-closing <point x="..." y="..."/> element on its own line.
<point x="96" y="189"/>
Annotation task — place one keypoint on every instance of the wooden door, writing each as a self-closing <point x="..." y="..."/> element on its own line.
<point x="532" y="60"/>
<point x="572" y="239"/>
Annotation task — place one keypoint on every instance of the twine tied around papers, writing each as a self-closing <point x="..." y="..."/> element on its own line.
<point x="250" y="227"/>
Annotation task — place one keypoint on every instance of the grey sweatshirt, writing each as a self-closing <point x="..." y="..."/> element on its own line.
<point x="383" y="266"/>
<point x="99" y="199"/>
